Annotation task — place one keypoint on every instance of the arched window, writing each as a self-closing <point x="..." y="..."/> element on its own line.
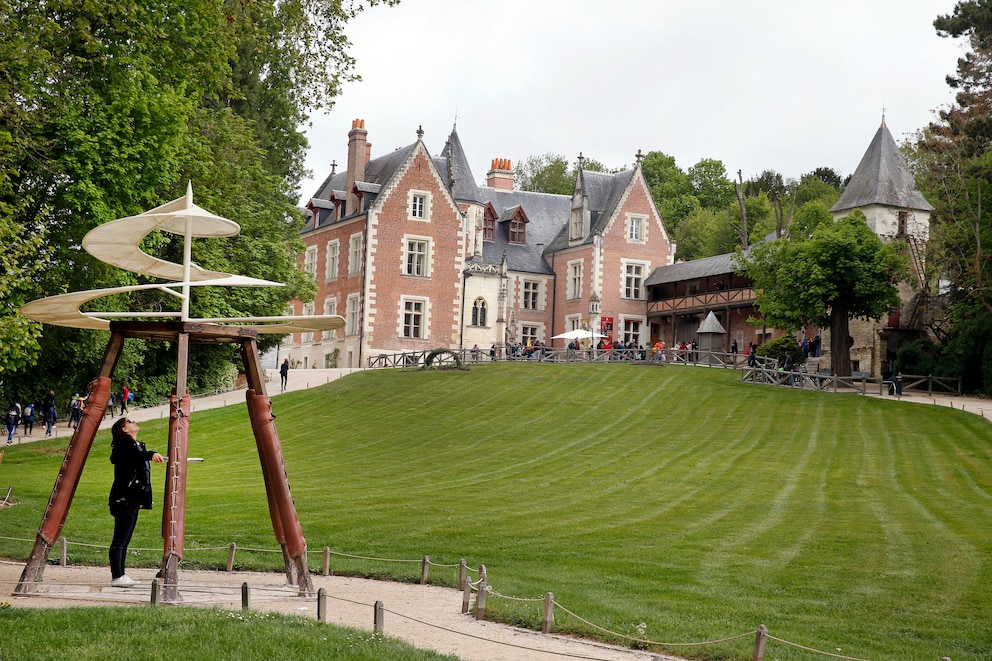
<point x="479" y="312"/>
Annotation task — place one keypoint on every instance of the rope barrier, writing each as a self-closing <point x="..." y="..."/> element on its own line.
<point x="810" y="649"/>
<point x="473" y="585"/>
<point x="652" y="642"/>
<point x="497" y="642"/>
<point x="503" y="596"/>
<point x="363" y="557"/>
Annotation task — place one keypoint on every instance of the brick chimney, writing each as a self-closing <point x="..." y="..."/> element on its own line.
<point x="359" y="152"/>
<point x="500" y="175"/>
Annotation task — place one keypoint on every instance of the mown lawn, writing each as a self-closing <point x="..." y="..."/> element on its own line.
<point x="673" y="503"/>
<point x="165" y="634"/>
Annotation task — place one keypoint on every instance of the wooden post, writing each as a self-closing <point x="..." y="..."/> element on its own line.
<point x="63" y="552"/>
<point x="424" y="568"/>
<point x="462" y="575"/>
<point x="480" y="601"/>
<point x="230" y="556"/>
<point x="245" y="596"/>
<point x="466" y="596"/>
<point x="377" y="618"/>
<point x="154" y="601"/>
<point x="760" y="639"/>
<point x="549" y="613"/>
<point x="322" y="605"/>
<point x="327" y="561"/>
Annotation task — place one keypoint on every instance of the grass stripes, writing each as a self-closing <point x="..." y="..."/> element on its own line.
<point x="679" y="498"/>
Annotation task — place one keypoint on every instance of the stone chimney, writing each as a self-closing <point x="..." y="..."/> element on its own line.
<point x="359" y="152"/>
<point x="500" y="175"/>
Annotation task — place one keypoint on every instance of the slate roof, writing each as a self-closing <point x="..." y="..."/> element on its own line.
<point x="377" y="173"/>
<point x="453" y="165"/>
<point x="546" y="213"/>
<point x="603" y="191"/>
<point x="882" y="178"/>
<point x="691" y="270"/>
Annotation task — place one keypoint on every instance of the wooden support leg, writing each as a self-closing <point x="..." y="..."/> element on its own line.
<point x="174" y="508"/>
<point x="72" y="467"/>
<point x="281" y="508"/>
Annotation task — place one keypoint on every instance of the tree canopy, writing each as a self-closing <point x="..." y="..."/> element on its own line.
<point x="109" y="108"/>
<point x="841" y="271"/>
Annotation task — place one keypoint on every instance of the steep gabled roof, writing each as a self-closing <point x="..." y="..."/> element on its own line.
<point x="453" y="166"/>
<point x="603" y="193"/>
<point x="377" y="174"/>
<point x="882" y="178"/>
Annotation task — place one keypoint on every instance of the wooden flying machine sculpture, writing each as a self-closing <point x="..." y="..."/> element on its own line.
<point x="117" y="243"/>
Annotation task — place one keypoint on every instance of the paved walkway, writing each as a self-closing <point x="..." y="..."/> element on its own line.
<point x="298" y="380"/>
<point x="303" y="379"/>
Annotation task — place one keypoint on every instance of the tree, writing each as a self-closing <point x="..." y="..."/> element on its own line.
<point x="551" y="173"/>
<point x="109" y="107"/>
<point x="842" y="271"/>
<point x="711" y="185"/>
<point x="952" y="161"/>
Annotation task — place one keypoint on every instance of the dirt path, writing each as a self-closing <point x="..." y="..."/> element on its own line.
<point x="426" y="616"/>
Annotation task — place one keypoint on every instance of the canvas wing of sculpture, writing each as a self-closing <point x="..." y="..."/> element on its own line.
<point x="118" y="243"/>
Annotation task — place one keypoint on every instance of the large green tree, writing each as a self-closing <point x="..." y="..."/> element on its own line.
<point x="952" y="161"/>
<point x="841" y="271"/>
<point x="109" y="108"/>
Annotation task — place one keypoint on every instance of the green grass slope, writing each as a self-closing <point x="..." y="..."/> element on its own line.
<point x="673" y="503"/>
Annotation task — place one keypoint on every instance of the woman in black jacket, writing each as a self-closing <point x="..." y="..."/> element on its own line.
<point x="131" y="491"/>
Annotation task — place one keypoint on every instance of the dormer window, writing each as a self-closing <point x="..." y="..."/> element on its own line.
<point x="489" y="224"/>
<point x="518" y="231"/>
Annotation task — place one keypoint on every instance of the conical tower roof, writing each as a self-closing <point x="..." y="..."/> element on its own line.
<point x="882" y="178"/>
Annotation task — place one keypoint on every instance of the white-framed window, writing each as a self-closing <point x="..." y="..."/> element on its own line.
<point x="417" y="256"/>
<point x="419" y="205"/>
<point x="635" y="228"/>
<point x="307" y="312"/>
<point x="310" y="262"/>
<point x="330" y="307"/>
<point x="632" y="331"/>
<point x="531" y="295"/>
<point x="352" y="318"/>
<point x="480" y="311"/>
<point x="573" y="322"/>
<point x="633" y="280"/>
<point x="414" y="319"/>
<point x="331" y="261"/>
<point x="528" y="334"/>
<point x="355" y="254"/>
<point x="574" y="283"/>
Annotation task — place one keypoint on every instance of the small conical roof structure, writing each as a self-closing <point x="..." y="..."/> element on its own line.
<point x="711" y="325"/>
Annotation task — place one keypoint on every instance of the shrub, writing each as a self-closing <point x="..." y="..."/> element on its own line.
<point x="778" y="349"/>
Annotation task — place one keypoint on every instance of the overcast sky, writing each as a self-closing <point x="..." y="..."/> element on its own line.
<point x="782" y="85"/>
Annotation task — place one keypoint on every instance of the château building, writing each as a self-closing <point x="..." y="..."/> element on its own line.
<point x="416" y="255"/>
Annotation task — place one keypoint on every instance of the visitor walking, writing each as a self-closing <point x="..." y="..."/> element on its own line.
<point x="284" y="374"/>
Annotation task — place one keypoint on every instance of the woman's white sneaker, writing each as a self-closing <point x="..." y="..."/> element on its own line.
<point x="124" y="581"/>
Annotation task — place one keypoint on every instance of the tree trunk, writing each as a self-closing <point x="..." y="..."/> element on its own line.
<point x="840" y="345"/>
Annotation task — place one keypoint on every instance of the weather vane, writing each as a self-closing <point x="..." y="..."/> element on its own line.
<point x="118" y="243"/>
